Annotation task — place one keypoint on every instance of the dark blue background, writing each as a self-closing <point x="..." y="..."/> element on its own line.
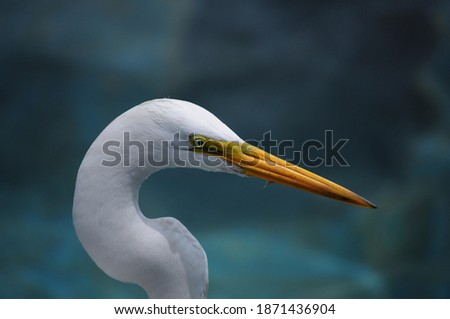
<point x="375" y="72"/>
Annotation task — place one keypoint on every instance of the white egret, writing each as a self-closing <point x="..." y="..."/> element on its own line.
<point x="161" y="255"/>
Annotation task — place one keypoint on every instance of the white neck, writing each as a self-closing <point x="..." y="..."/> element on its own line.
<point x="160" y="255"/>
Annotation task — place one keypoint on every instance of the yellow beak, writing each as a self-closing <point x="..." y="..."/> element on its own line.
<point x="258" y="163"/>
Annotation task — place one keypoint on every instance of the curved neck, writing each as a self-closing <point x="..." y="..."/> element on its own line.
<point x="105" y="211"/>
<point x="122" y="241"/>
<point x="107" y="189"/>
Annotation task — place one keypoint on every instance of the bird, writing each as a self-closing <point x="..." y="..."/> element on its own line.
<point x="160" y="254"/>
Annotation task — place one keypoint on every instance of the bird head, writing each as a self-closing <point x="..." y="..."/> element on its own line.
<point x="199" y="139"/>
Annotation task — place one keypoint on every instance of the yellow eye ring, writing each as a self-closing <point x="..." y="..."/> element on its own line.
<point x="198" y="141"/>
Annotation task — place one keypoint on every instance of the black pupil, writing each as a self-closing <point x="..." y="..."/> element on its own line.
<point x="199" y="142"/>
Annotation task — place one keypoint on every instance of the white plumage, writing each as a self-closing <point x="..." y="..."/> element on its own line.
<point x="161" y="255"/>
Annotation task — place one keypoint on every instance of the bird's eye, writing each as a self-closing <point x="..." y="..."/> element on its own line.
<point x="198" y="142"/>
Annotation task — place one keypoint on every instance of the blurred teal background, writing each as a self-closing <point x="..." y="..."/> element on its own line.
<point x="375" y="72"/>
